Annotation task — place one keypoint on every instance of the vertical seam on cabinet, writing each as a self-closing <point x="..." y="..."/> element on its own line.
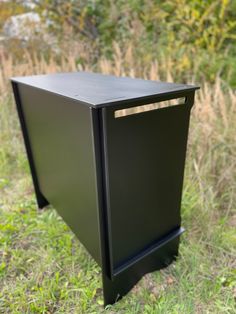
<point x="98" y="139"/>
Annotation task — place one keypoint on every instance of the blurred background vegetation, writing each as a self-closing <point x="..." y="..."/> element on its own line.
<point x="43" y="269"/>
<point x="195" y="37"/>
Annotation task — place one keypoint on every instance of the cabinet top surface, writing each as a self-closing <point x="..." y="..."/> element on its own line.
<point x="98" y="90"/>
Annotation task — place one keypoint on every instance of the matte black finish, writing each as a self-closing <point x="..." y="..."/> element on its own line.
<point x="41" y="200"/>
<point x="61" y="141"/>
<point x="96" y="90"/>
<point x="117" y="182"/>
<point x="151" y="167"/>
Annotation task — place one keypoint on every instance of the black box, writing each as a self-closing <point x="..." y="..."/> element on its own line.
<point x="114" y="172"/>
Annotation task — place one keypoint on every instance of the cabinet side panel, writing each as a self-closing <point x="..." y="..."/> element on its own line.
<point x="145" y="155"/>
<point x="60" y="135"/>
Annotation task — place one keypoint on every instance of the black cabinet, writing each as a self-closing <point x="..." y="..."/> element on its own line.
<point x="111" y="164"/>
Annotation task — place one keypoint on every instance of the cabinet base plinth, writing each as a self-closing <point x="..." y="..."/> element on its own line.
<point x="114" y="290"/>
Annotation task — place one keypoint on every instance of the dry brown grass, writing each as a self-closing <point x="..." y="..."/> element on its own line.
<point x="213" y="117"/>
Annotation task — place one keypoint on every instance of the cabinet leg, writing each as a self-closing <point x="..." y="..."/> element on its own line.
<point x="41" y="200"/>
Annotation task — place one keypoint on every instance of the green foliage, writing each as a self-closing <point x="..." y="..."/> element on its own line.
<point x="200" y="36"/>
<point x="9" y="8"/>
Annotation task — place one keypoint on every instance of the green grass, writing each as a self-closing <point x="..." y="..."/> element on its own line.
<point x="45" y="269"/>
